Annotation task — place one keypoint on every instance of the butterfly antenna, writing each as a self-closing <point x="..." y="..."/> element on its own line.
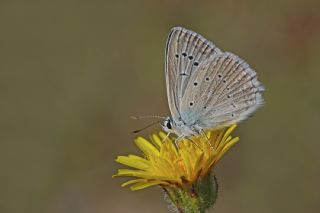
<point x="149" y="125"/>
<point x="147" y="116"/>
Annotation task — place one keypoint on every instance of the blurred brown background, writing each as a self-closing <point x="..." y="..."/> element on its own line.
<point x="72" y="72"/>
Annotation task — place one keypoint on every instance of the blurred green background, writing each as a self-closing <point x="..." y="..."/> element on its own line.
<point x="72" y="72"/>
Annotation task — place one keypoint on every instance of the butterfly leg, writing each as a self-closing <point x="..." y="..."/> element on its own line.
<point x="197" y="145"/>
<point x="184" y="137"/>
<point x="165" y="138"/>
<point x="178" y="139"/>
<point x="203" y="134"/>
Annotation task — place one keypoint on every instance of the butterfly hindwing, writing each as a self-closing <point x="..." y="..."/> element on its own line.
<point x="223" y="91"/>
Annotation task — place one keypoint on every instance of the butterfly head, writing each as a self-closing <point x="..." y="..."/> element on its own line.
<point x="179" y="128"/>
<point x="168" y="125"/>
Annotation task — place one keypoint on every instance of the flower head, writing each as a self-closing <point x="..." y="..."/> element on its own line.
<point x="166" y="165"/>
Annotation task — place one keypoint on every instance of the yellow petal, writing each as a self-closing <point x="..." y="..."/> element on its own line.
<point x="139" y="186"/>
<point x="132" y="182"/>
<point x="142" y="174"/>
<point x="169" y="150"/>
<point x="164" y="137"/>
<point x="186" y="161"/>
<point x="223" y="143"/>
<point x="135" y="157"/>
<point x="156" y="140"/>
<point x="129" y="172"/>
<point x="198" y="162"/>
<point x="218" y="139"/>
<point x="146" y="147"/>
<point x="135" y="162"/>
<point x="227" y="147"/>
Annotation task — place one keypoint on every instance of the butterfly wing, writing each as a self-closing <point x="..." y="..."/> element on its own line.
<point x="185" y="53"/>
<point x="224" y="90"/>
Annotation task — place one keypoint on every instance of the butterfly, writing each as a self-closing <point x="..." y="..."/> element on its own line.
<point x="206" y="87"/>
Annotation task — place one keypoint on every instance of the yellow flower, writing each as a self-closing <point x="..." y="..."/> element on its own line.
<point x="166" y="165"/>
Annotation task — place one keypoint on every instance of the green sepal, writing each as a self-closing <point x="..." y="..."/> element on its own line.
<point x="195" y="198"/>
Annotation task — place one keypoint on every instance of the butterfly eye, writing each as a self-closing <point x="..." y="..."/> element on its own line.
<point x="196" y="63"/>
<point x="168" y="125"/>
<point x="190" y="57"/>
<point x="207" y="78"/>
<point x="195" y="83"/>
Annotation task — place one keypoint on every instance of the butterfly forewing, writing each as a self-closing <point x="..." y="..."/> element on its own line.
<point x="185" y="52"/>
